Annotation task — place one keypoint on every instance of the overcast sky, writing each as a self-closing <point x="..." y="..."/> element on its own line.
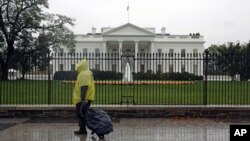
<point x="219" y="21"/>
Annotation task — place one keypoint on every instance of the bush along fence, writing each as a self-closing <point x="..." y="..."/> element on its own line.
<point x="134" y="79"/>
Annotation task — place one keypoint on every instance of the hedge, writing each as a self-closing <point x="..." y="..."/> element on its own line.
<point x="110" y="75"/>
<point x="107" y="75"/>
<point x="98" y="75"/>
<point x="65" y="75"/>
<point x="166" y="76"/>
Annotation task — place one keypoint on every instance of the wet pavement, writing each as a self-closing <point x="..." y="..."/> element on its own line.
<point x="150" y="129"/>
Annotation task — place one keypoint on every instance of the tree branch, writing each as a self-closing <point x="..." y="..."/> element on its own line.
<point x="22" y="10"/>
<point x="7" y="11"/>
<point x="14" y="24"/>
<point x="2" y="26"/>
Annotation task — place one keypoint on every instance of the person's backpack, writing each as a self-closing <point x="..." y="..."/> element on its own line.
<point x="99" y="122"/>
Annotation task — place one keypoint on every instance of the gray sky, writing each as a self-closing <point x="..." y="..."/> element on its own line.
<point x="220" y="21"/>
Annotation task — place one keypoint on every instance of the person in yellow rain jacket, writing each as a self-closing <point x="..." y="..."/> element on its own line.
<point x="83" y="94"/>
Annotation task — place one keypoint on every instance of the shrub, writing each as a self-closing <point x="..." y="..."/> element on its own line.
<point x="166" y="76"/>
<point x="110" y="75"/>
<point x="65" y="75"/>
<point x="106" y="75"/>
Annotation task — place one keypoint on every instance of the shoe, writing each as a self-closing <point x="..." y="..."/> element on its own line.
<point x="80" y="132"/>
<point x="101" y="137"/>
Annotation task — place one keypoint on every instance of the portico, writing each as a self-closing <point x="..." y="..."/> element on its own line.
<point x="129" y="40"/>
<point x="125" y="49"/>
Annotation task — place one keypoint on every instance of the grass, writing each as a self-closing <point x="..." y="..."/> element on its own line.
<point x="38" y="92"/>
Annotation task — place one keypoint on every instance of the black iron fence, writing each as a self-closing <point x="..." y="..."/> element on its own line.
<point x="135" y="79"/>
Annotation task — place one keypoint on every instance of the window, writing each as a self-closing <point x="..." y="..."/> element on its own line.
<point x="51" y="68"/>
<point x="128" y="51"/>
<point x="85" y="52"/>
<point x="142" y="68"/>
<point x="114" y="67"/>
<point x="171" y="52"/>
<point x="183" y="52"/>
<point x="73" y="67"/>
<point x="182" y="68"/>
<point x="195" y="69"/>
<point x="60" y="67"/>
<point x="159" y="51"/>
<point x="142" y="50"/>
<point x="61" y="51"/>
<point x="159" y="68"/>
<point x="72" y="52"/>
<point x="171" y="68"/>
<point x="97" y="67"/>
<point x="195" y="52"/>
<point x="97" y="52"/>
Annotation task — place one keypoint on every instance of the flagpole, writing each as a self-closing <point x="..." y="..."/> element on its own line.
<point x="128" y="12"/>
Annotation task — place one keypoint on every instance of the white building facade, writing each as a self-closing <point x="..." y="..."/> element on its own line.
<point x="147" y="50"/>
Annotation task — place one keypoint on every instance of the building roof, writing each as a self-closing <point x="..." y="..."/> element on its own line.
<point x="128" y="29"/>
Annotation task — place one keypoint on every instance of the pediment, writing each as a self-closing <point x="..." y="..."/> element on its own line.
<point x="130" y="30"/>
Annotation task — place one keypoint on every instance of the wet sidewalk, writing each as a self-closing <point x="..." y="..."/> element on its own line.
<point x="150" y="129"/>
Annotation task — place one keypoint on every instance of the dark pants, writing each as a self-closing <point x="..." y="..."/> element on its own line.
<point x="81" y="118"/>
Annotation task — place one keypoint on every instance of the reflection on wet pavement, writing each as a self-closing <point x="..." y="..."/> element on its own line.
<point x="126" y="130"/>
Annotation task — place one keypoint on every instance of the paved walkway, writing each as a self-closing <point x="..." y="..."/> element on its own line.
<point x="152" y="129"/>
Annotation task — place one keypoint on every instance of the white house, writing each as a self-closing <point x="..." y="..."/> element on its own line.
<point x="135" y="40"/>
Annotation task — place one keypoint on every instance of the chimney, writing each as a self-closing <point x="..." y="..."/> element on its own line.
<point x="93" y="30"/>
<point x="163" y="30"/>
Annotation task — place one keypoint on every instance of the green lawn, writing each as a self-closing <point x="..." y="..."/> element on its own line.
<point x="37" y="92"/>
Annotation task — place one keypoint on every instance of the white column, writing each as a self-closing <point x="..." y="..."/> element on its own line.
<point x="136" y="56"/>
<point x="152" y="47"/>
<point x="104" y="51"/>
<point x="120" y="47"/>
<point x="152" y="50"/>
<point x="120" y="59"/>
<point x="104" y="47"/>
